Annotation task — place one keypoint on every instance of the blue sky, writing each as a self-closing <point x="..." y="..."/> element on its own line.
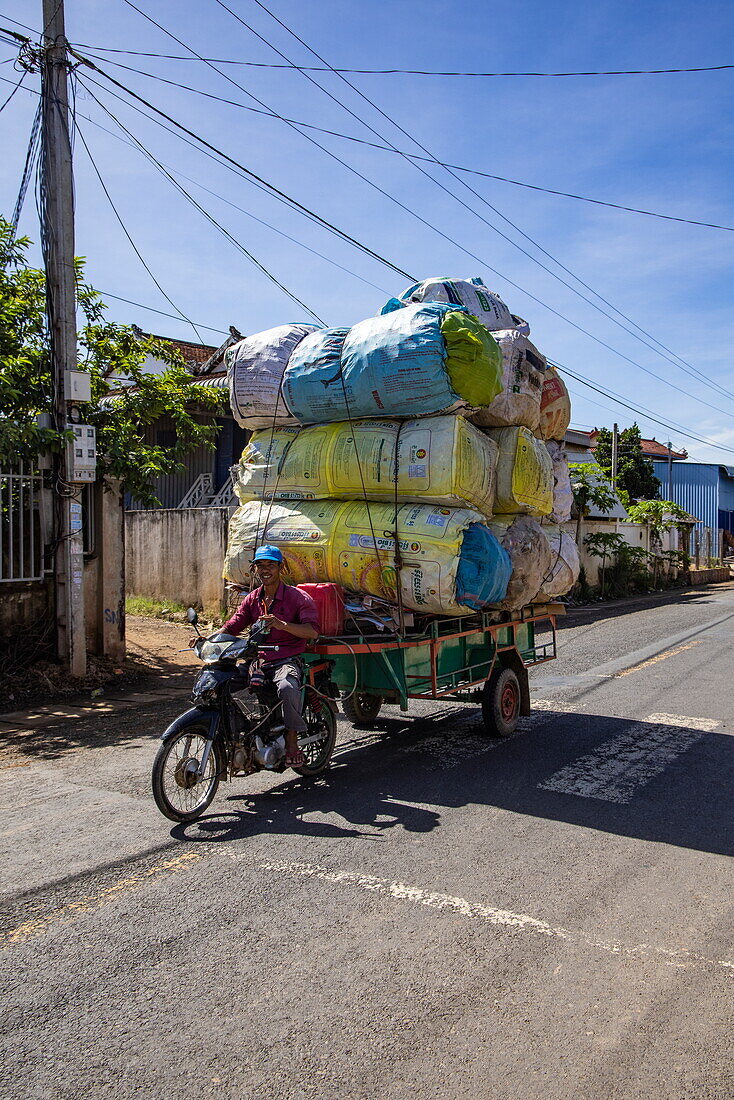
<point x="662" y="143"/>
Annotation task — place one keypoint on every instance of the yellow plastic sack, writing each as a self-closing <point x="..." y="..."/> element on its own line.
<point x="524" y="473"/>
<point x="523" y="373"/>
<point x="555" y="406"/>
<point x="440" y="460"/>
<point x="351" y="543"/>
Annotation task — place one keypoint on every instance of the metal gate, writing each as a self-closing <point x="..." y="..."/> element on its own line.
<point x="21" y="548"/>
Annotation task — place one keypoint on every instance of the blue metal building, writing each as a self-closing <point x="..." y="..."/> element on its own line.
<point x="704" y="489"/>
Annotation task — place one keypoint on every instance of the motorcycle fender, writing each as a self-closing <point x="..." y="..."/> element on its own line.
<point x="195" y="714"/>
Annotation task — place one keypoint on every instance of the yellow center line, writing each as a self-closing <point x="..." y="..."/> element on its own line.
<point x="37" y="926"/>
<point x="660" y="657"/>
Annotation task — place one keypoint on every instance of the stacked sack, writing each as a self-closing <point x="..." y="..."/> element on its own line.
<point x="424" y="413"/>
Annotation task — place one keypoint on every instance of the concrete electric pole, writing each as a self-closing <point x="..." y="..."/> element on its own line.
<point x="57" y="189"/>
<point x="615" y="460"/>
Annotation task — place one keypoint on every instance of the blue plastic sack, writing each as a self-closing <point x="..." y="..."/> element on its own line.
<point x="391" y="365"/>
<point x="484" y="569"/>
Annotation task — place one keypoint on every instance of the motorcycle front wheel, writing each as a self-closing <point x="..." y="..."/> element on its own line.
<point x="322" y="728"/>
<point x="179" y="792"/>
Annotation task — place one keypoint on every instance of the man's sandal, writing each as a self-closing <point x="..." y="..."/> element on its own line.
<point x="295" y="759"/>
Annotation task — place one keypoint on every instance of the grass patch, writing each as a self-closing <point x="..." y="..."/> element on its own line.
<point x="153" y="609"/>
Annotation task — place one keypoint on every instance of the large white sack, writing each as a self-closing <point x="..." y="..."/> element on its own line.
<point x="484" y="304"/>
<point x="562" y="493"/>
<point x="524" y="473"/>
<point x="523" y="374"/>
<point x="530" y="555"/>
<point x="565" y="565"/>
<point x="440" y="460"/>
<point x="255" y="368"/>
<point x="555" y="406"/>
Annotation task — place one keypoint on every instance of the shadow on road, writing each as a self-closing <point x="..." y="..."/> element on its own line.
<point x="402" y="774"/>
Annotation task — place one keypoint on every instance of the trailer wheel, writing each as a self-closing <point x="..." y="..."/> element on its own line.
<point x="501" y="703"/>
<point x="361" y="709"/>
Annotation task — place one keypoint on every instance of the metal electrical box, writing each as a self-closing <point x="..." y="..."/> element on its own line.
<point x="82" y="457"/>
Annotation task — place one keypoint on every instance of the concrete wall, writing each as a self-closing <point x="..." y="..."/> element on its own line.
<point x="177" y="554"/>
<point x="634" y="534"/>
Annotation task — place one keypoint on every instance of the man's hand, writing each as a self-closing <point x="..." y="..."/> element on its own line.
<point x="273" y="621"/>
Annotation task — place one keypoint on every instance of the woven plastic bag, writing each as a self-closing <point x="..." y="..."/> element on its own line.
<point x="523" y="373"/>
<point x="530" y="554"/>
<point x="255" y="369"/>
<point x="353" y="544"/>
<point x="562" y="493"/>
<point x="440" y="460"/>
<point x="417" y="361"/>
<point x="565" y="565"/>
<point x="555" y="406"/>
<point x="485" y="305"/>
<point x="524" y="473"/>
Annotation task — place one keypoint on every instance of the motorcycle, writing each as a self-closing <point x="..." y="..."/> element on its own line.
<point x="235" y="727"/>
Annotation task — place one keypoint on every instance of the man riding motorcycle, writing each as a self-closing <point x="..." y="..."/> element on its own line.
<point x="292" y="618"/>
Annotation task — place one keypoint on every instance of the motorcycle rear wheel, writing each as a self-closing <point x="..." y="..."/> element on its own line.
<point x="320" y="719"/>
<point x="178" y="793"/>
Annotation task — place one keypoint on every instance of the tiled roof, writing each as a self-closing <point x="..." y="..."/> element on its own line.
<point x="197" y="353"/>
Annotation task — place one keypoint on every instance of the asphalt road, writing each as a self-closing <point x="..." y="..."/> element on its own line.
<point x="444" y="916"/>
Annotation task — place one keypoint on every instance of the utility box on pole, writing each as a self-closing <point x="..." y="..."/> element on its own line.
<point x="57" y="235"/>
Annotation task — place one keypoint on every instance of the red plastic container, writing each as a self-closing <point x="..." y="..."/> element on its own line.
<point x="329" y="598"/>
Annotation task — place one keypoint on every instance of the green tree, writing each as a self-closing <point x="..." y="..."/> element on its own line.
<point x="635" y="472"/>
<point x="124" y="397"/>
<point x="590" y="489"/>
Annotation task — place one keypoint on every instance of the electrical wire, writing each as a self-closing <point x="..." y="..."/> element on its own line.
<point x="289" y="200"/>
<point x="31" y="155"/>
<point x="402" y="206"/>
<point x="677" y="361"/>
<point x="182" y="316"/>
<point x="215" y="194"/>
<point x="640" y="410"/>
<point x="404" y="72"/>
<point x="182" y="190"/>
<point x="160" y="312"/>
<point x="15" y="89"/>
<point x="404" y="153"/>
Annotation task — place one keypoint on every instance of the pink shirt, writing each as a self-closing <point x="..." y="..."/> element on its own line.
<point x="289" y="604"/>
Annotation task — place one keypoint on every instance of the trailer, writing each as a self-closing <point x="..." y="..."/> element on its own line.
<point x="481" y="658"/>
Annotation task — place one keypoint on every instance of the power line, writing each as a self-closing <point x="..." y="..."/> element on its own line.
<point x="210" y="218"/>
<point x="656" y="346"/>
<point x="133" y="245"/>
<point x="677" y="362"/>
<point x="405" y="72"/>
<point x="253" y="175"/>
<point x="410" y="156"/>
<point x="639" y="410"/>
<point x="15" y="89"/>
<point x="181" y="175"/>
<point x="397" y="202"/>
<point x="160" y="312"/>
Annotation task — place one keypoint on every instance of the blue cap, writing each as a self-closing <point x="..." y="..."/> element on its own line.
<point x="268" y="553"/>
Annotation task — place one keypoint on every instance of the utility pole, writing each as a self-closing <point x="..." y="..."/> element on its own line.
<point x="615" y="448"/>
<point x="670" y="470"/>
<point x="58" y="245"/>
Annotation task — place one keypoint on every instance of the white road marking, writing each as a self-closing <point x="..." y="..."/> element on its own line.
<point x="619" y="766"/>
<point x="708" y="725"/>
<point x="503" y="918"/>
